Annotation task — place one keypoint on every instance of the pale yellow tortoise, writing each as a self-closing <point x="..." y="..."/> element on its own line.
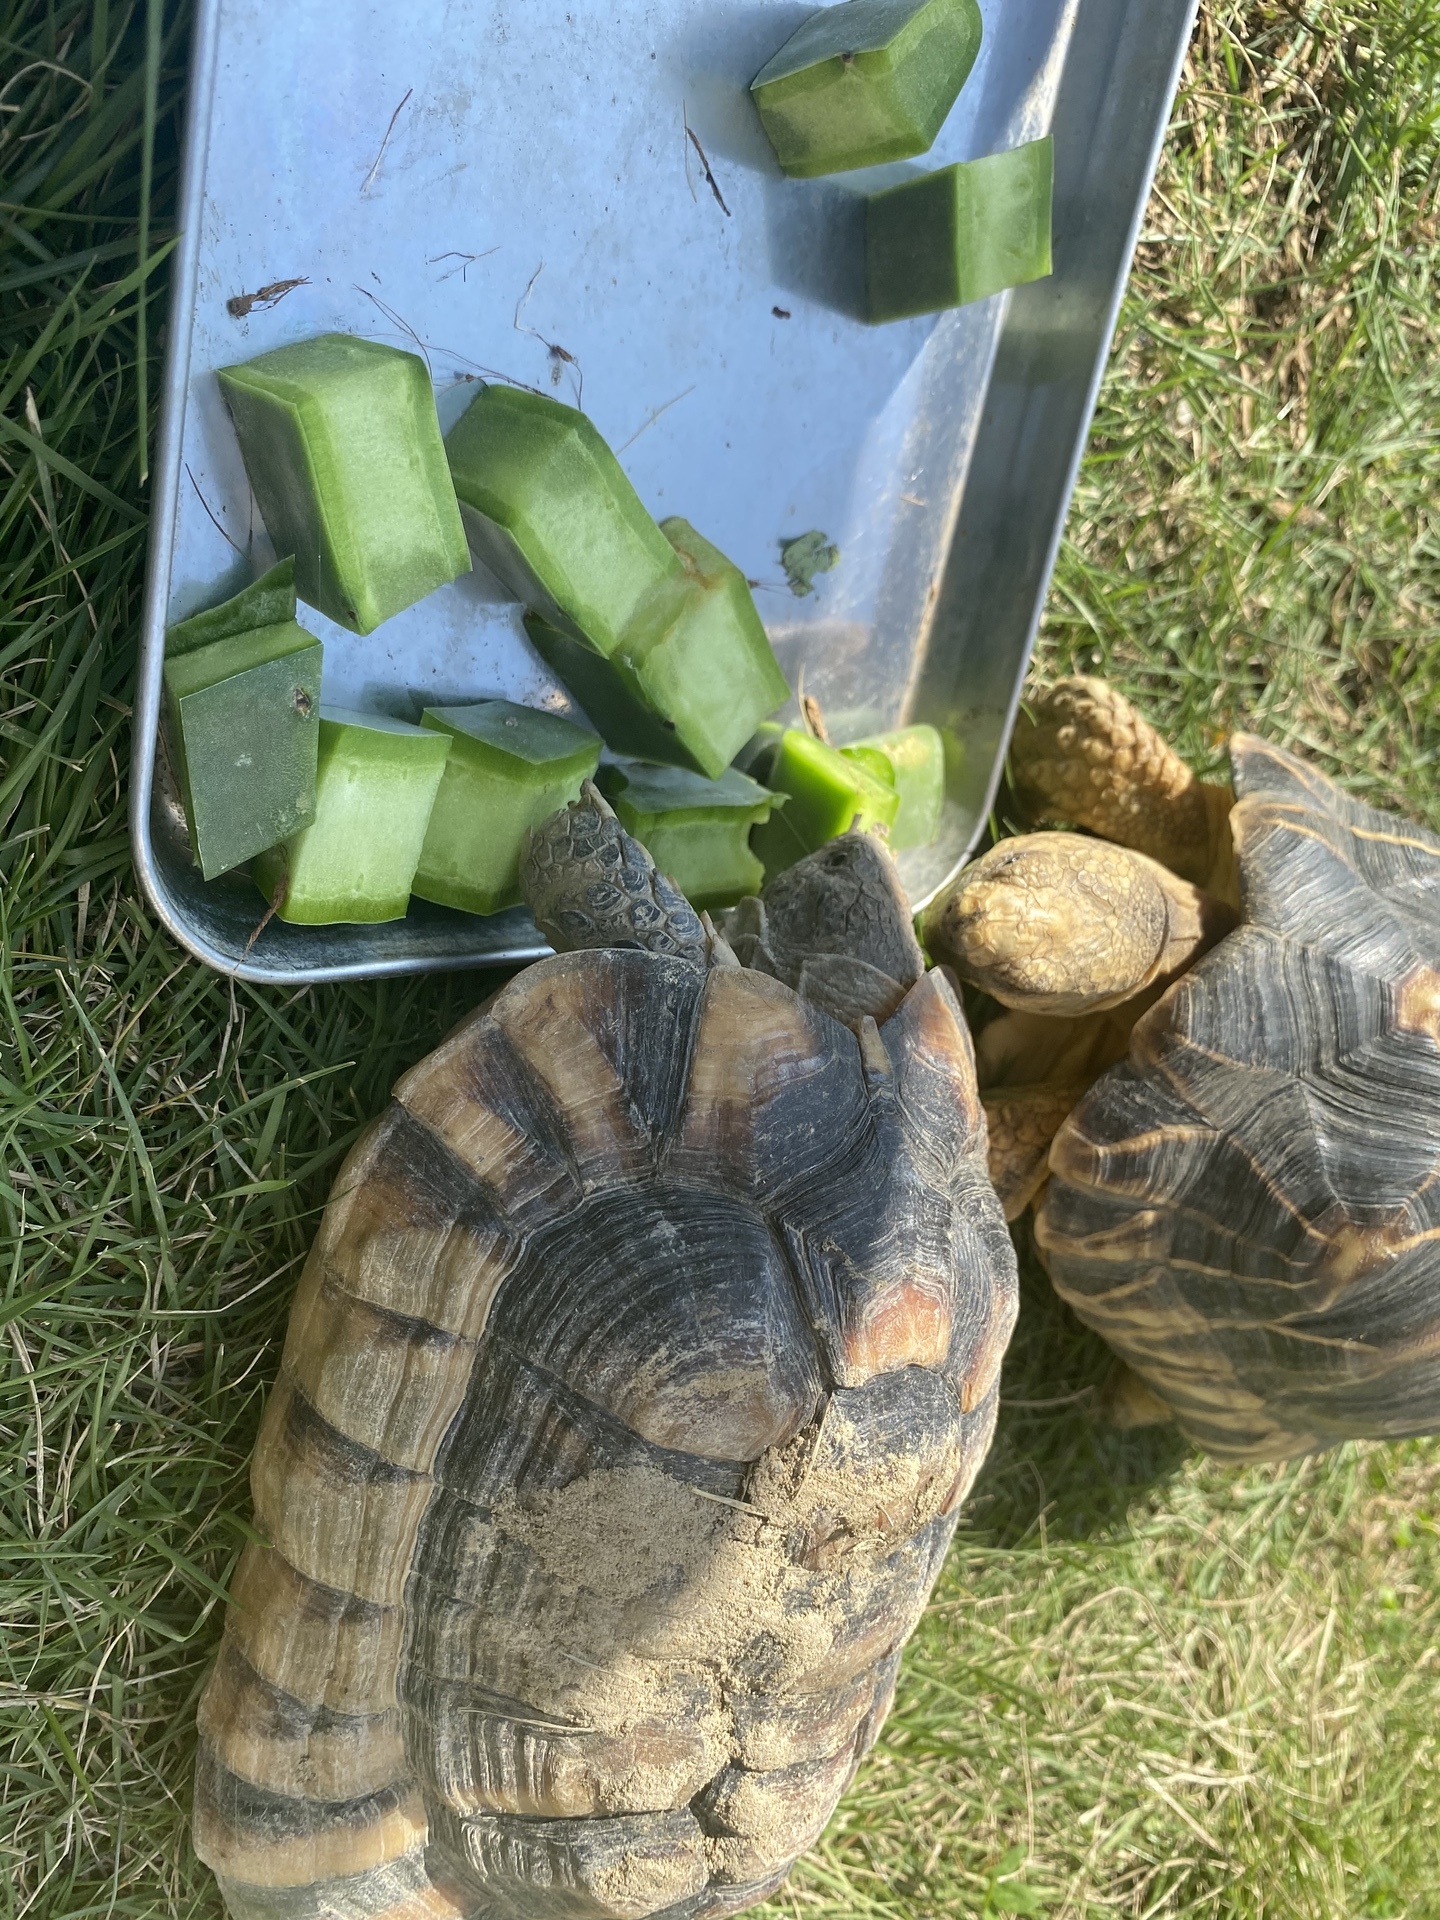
<point x="1219" y="1083"/>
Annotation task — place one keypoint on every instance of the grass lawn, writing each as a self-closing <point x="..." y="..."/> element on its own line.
<point x="1148" y="1685"/>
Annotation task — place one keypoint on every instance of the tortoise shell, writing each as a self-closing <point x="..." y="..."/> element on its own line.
<point x="1248" y="1207"/>
<point x="649" y="1343"/>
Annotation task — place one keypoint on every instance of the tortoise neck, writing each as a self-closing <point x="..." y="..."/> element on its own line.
<point x="1083" y="756"/>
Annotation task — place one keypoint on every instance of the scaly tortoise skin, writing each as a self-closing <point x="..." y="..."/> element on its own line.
<point x="648" y="1346"/>
<point x="1247" y="1205"/>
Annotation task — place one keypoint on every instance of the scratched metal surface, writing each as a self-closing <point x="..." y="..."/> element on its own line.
<point x="512" y="186"/>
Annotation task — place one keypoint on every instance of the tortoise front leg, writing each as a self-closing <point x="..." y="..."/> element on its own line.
<point x="1021" y="1125"/>
<point x="1032" y="1069"/>
<point x="1082" y="756"/>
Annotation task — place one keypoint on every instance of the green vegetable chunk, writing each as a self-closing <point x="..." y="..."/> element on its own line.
<point x="509" y="768"/>
<point x="548" y="510"/>
<point x="693" y="672"/>
<point x="868" y="81"/>
<point x="757" y="756"/>
<point x="242" y="697"/>
<point x="376" y="781"/>
<point x="266" y="602"/>
<point x="829" y="794"/>
<point x="915" y="757"/>
<point x="697" y="830"/>
<point x="343" y="449"/>
<point x="960" y="233"/>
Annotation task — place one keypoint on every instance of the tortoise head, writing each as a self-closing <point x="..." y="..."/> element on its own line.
<point x="589" y="883"/>
<point x="836" y="926"/>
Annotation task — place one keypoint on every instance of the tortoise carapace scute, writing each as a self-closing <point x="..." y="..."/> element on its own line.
<point x="1248" y="1207"/>
<point x="648" y="1346"/>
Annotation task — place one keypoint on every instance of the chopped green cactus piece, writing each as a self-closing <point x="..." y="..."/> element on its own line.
<point x="266" y="602"/>
<point x="867" y="81"/>
<point x="692" y="674"/>
<point x="509" y="768"/>
<point x="548" y="510"/>
<point x="828" y="794"/>
<point x="873" y="761"/>
<point x="607" y="694"/>
<point x="375" y="785"/>
<point x="697" y="830"/>
<point x="757" y="756"/>
<point x="960" y="233"/>
<point x="915" y="757"/>
<point x="343" y="449"/>
<point x="707" y="665"/>
<point x="243" y="717"/>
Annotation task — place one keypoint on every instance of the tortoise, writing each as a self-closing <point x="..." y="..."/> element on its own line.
<point x="1245" y="1203"/>
<point x="648" y="1346"/>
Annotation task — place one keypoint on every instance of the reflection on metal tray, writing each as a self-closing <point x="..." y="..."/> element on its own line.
<point x="584" y="201"/>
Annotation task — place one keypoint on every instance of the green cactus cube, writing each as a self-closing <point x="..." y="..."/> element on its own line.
<point x="242" y="700"/>
<point x="865" y="82"/>
<point x="266" y="602"/>
<point x="696" y="830"/>
<point x="959" y="233"/>
<point x="509" y="768"/>
<point x="914" y="763"/>
<point x="376" y="781"/>
<point x="829" y="793"/>
<point x="693" y="672"/>
<point x="548" y="509"/>
<point x="343" y="448"/>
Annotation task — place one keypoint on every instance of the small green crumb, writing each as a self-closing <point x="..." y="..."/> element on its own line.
<point x="804" y="557"/>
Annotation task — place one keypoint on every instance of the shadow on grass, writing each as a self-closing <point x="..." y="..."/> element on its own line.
<point x="1057" y="1468"/>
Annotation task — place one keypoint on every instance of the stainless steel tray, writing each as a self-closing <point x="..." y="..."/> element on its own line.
<point x="579" y="197"/>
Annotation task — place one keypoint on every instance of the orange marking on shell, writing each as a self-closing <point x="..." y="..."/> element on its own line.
<point x="909" y="1326"/>
<point x="929" y="1028"/>
<point x="984" y="1362"/>
<point x="1417" y="1003"/>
